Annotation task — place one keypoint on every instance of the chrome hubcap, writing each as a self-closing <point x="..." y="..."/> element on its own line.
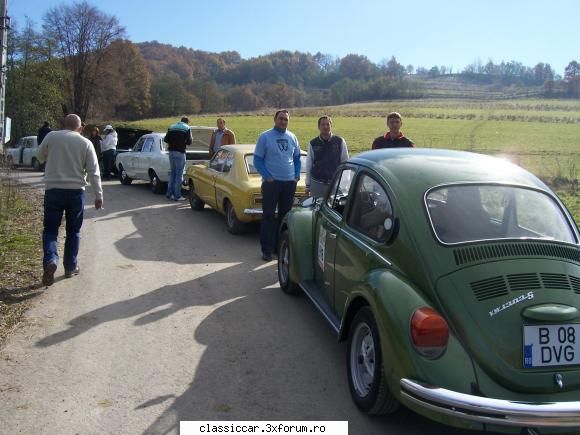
<point x="362" y="360"/>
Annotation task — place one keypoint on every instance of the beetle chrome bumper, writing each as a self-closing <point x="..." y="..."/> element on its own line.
<point x="490" y="411"/>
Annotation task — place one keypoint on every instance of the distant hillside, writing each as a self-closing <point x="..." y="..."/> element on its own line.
<point x="460" y="86"/>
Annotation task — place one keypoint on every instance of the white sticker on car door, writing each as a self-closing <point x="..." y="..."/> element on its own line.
<point x="321" y="247"/>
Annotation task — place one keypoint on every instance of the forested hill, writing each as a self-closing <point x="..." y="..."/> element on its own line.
<point x="199" y="81"/>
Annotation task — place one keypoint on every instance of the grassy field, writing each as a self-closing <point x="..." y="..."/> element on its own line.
<point x="542" y="136"/>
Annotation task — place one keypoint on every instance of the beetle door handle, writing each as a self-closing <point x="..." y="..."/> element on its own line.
<point x="331" y="235"/>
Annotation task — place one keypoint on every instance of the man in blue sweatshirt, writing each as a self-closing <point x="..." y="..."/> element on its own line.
<point x="277" y="158"/>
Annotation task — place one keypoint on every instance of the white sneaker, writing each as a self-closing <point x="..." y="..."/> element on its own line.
<point x="181" y="198"/>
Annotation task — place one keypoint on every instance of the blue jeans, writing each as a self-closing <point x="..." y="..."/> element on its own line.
<point x="276" y="193"/>
<point x="177" y="164"/>
<point x="71" y="202"/>
<point x="108" y="162"/>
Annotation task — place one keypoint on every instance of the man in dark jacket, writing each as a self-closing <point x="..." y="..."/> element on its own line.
<point x="393" y="138"/>
<point x="325" y="153"/>
<point x="177" y="138"/>
<point x="43" y="131"/>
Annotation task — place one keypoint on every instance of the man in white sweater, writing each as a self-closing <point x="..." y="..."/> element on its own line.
<point x="69" y="159"/>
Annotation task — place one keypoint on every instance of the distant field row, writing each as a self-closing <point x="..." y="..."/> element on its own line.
<point x="546" y="149"/>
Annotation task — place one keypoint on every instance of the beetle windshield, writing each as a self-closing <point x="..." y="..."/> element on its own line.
<point x="464" y="213"/>
<point x="252" y="169"/>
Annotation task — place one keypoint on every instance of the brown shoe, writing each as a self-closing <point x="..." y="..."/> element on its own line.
<point x="48" y="275"/>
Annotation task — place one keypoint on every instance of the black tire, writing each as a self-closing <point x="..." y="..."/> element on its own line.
<point x="234" y="225"/>
<point x="195" y="201"/>
<point x="36" y="164"/>
<point x="364" y="362"/>
<point x="123" y="177"/>
<point x="286" y="284"/>
<point x="157" y="186"/>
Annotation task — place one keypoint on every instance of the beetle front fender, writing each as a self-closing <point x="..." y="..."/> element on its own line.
<point x="298" y="223"/>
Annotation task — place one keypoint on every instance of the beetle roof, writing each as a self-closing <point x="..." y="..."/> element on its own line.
<point x="422" y="168"/>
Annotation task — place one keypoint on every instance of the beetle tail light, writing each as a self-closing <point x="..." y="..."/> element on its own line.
<point x="429" y="332"/>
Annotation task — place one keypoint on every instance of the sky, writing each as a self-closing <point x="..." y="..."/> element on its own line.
<point x="453" y="33"/>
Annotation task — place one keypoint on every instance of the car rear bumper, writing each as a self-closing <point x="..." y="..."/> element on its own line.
<point x="490" y="411"/>
<point x="253" y="211"/>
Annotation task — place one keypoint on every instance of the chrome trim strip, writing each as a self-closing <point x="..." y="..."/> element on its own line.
<point x="319" y="308"/>
<point x="491" y="411"/>
<point x="253" y="211"/>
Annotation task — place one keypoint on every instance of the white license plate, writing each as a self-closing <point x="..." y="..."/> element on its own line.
<point x="551" y="345"/>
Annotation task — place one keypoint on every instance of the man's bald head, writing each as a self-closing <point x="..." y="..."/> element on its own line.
<point x="72" y="122"/>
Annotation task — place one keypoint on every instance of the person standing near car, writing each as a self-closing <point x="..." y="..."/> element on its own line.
<point x="325" y="153"/>
<point x="108" y="150"/>
<point x="69" y="158"/>
<point x="221" y="136"/>
<point x="393" y="138"/>
<point x="277" y="159"/>
<point x="43" y="131"/>
<point x="178" y="137"/>
<point x="96" y="140"/>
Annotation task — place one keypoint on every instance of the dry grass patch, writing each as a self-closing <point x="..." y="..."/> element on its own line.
<point x="21" y="212"/>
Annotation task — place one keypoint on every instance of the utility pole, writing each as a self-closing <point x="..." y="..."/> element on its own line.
<point x="4" y="25"/>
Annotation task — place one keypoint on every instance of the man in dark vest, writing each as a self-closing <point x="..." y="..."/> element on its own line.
<point x="393" y="138"/>
<point x="325" y="153"/>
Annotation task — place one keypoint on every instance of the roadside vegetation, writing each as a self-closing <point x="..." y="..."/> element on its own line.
<point x="20" y="251"/>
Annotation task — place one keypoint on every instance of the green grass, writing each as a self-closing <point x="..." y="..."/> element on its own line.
<point x="542" y="136"/>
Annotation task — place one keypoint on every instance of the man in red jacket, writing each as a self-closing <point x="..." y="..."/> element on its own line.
<point x="394" y="137"/>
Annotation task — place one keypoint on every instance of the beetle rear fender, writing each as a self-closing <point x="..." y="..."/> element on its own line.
<point x="298" y="223"/>
<point x="393" y="300"/>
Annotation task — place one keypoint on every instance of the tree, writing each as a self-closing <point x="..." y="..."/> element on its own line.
<point x="572" y="78"/>
<point x="354" y="66"/>
<point x="80" y="35"/>
<point x="34" y="82"/>
<point x="125" y="77"/>
<point x="169" y="97"/>
<point x="280" y="95"/>
<point x="242" y="98"/>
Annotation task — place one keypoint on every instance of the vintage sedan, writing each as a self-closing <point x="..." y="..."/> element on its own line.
<point x="24" y="154"/>
<point x="231" y="184"/>
<point x="455" y="279"/>
<point x="148" y="160"/>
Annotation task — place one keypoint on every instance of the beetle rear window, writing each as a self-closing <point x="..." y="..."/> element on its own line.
<point x="465" y="213"/>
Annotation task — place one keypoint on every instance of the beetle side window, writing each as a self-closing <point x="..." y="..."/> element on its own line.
<point x="371" y="212"/>
<point x="229" y="162"/>
<point x="338" y="193"/>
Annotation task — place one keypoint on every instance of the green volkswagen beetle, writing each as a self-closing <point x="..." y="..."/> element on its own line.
<point x="455" y="279"/>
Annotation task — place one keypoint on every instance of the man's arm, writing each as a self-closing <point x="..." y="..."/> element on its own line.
<point x="233" y="137"/>
<point x="343" y="152"/>
<point x="42" y="152"/>
<point x="308" y="166"/>
<point x="259" y="163"/>
<point x="297" y="161"/>
<point x="94" y="173"/>
<point x="189" y="139"/>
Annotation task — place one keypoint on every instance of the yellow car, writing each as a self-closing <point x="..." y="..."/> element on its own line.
<point x="231" y="184"/>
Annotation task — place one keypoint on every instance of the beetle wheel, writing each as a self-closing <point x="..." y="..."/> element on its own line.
<point x="286" y="284"/>
<point x="366" y="375"/>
